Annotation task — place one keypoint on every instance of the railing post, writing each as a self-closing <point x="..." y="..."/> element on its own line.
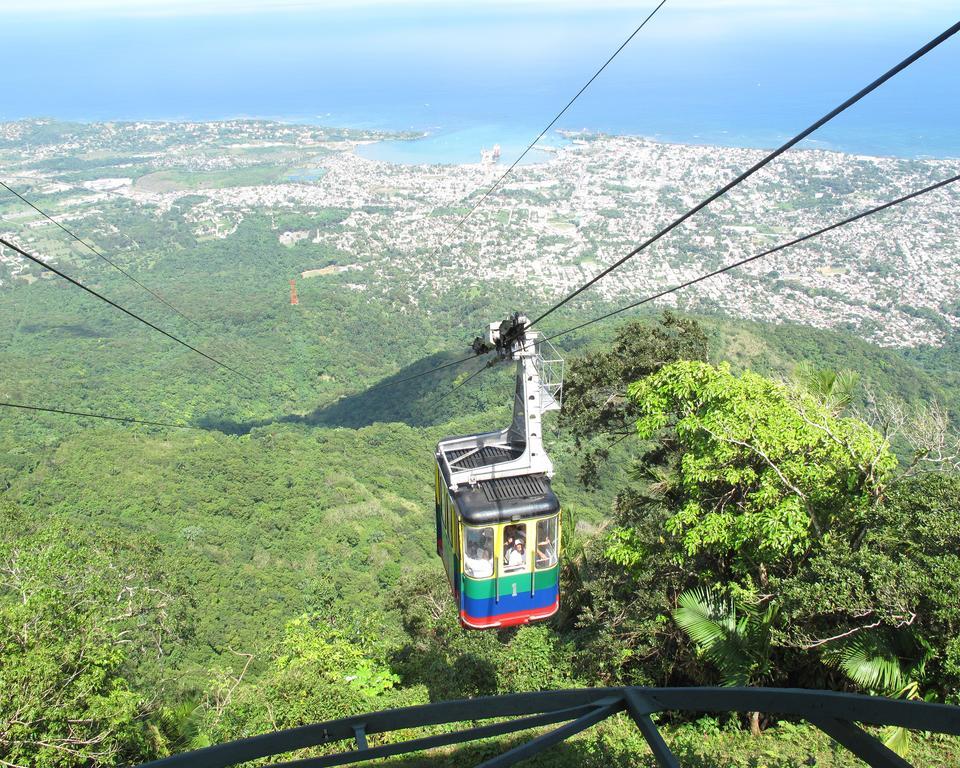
<point x="640" y="708"/>
<point x="360" y="735"/>
<point x="873" y="752"/>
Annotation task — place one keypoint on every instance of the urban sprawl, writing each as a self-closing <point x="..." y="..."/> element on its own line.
<point x="548" y="227"/>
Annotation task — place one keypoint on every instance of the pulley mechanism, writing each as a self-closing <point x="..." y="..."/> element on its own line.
<point x="505" y="338"/>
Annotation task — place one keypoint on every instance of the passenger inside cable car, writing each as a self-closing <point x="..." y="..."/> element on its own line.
<point x="514" y="547"/>
<point x="546" y="542"/>
<point x="515" y="559"/>
<point x="478" y="552"/>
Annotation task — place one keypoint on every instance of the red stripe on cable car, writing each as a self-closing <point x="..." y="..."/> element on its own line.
<point x="507" y="619"/>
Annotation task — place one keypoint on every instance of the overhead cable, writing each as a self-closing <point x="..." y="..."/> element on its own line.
<point x="500" y="180"/>
<point x="542" y="133"/>
<point x="486" y="365"/>
<point x="84" y="414"/>
<point x="394" y="382"/>
<point x="836" y="225"/>
<point x="757" y="166"/>
<point x="135" y="316"/>
<point x="96" y="252"/>
<point x="113" y="264"/>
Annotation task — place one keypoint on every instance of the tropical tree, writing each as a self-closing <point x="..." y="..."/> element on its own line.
<point x="572" y="564"/>
<point x="450" y="661"/>
<point x="898" y="582"/>
<point x="743" y="485"/>
<point x="736" y="639"/>
<point x="597" y="409"/>
<point x="632" y="574"/>
<point x="326" y="666"/>
<point x="72" y="619"/>
<point x="765" y="471"/>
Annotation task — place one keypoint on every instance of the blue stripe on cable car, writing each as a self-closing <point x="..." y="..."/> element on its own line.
<point x="482" y="607"/>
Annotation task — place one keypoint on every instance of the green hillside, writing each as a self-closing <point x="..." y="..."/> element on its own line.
<point x="267" y="512"/>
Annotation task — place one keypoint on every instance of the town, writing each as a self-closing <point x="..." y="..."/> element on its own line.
<point x="547" y="228"/>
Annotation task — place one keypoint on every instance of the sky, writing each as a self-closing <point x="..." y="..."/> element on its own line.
<point x="817" y="10"/>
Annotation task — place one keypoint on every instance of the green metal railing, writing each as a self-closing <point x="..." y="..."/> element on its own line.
<point x="836" y="714"/>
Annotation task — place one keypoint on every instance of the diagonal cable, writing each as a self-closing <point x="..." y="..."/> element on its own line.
<point x="486" y="365"/>
<point x="116" y="266"/>
<point x="421" y="374"/>
<point x="945" y="35"/>
<point x="100" y="296"/>
<point x="96" y="415"/>
<point x="796" y="241"/>
<point x="460" y="223"/>
<point x="506" y="173"/>
<point x="97" y="253"/>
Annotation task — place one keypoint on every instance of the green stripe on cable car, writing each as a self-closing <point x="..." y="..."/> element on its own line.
<point x="483" y="588"/>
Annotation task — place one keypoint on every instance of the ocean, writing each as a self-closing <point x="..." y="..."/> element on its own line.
<point x="474" y="77"/>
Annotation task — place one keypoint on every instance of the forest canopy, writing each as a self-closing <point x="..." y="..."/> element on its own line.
<point x="727" y="522"/>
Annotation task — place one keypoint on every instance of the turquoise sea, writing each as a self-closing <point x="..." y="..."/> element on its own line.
<point x="464" y="145"/>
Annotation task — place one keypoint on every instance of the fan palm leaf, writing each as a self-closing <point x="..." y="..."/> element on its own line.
<point x="891" y="663"/>
<point x="834" y="389"/>
<point x="729" y="641"/>
<point x="870" y="662"/>
<point x="897" y="738"/>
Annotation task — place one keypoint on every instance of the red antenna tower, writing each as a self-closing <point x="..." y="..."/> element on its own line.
<point x="293" y="293"/>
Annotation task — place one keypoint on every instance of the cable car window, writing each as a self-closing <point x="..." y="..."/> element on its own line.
<point x="514" y="547"/>
<point x="455" y="542"/>
<point x="547" y="542"/>
<point x="478" y="552"/>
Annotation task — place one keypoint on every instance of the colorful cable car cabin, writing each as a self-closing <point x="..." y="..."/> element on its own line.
<point x="498" y="520"/>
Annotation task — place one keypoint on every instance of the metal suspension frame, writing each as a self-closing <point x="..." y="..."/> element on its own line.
<point x="538" y="390"/>
<point x="836" y="714"/>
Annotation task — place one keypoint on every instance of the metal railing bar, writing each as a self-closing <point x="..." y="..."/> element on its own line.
<point x="440" y="740"/>
<point x="639" y="708"/>
<point x="800" y="702"/>
<point x="661" y="752"/>
<point x="862" y="744"/>
<point x="806" y="704"/>
<point x="539" y="744"/>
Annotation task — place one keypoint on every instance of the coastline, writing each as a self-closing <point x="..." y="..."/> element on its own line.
<point x="461" y="143"/>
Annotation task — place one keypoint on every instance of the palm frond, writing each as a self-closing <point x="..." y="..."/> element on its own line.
<point x="897" y="738"/>
<point x="711" y="622"/>
<point x="701" y="618"/>
<point x="872" y="663"/>
<point x="834" y="389"/>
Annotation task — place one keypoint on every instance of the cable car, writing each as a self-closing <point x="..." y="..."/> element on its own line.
<point x="498" y="520"/>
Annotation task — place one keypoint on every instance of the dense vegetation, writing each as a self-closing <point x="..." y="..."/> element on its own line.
<point x="283" y="574"/>
<point x="752" y="504"/>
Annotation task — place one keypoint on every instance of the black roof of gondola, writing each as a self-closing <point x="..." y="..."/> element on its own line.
<point x="473" y="458"/>
<point x="500" y="499"/>
<point x="506" y="498"/>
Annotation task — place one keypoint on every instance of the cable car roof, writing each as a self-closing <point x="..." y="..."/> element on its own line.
<point x="489" y="454"/>
<point x="505" y="499"/>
